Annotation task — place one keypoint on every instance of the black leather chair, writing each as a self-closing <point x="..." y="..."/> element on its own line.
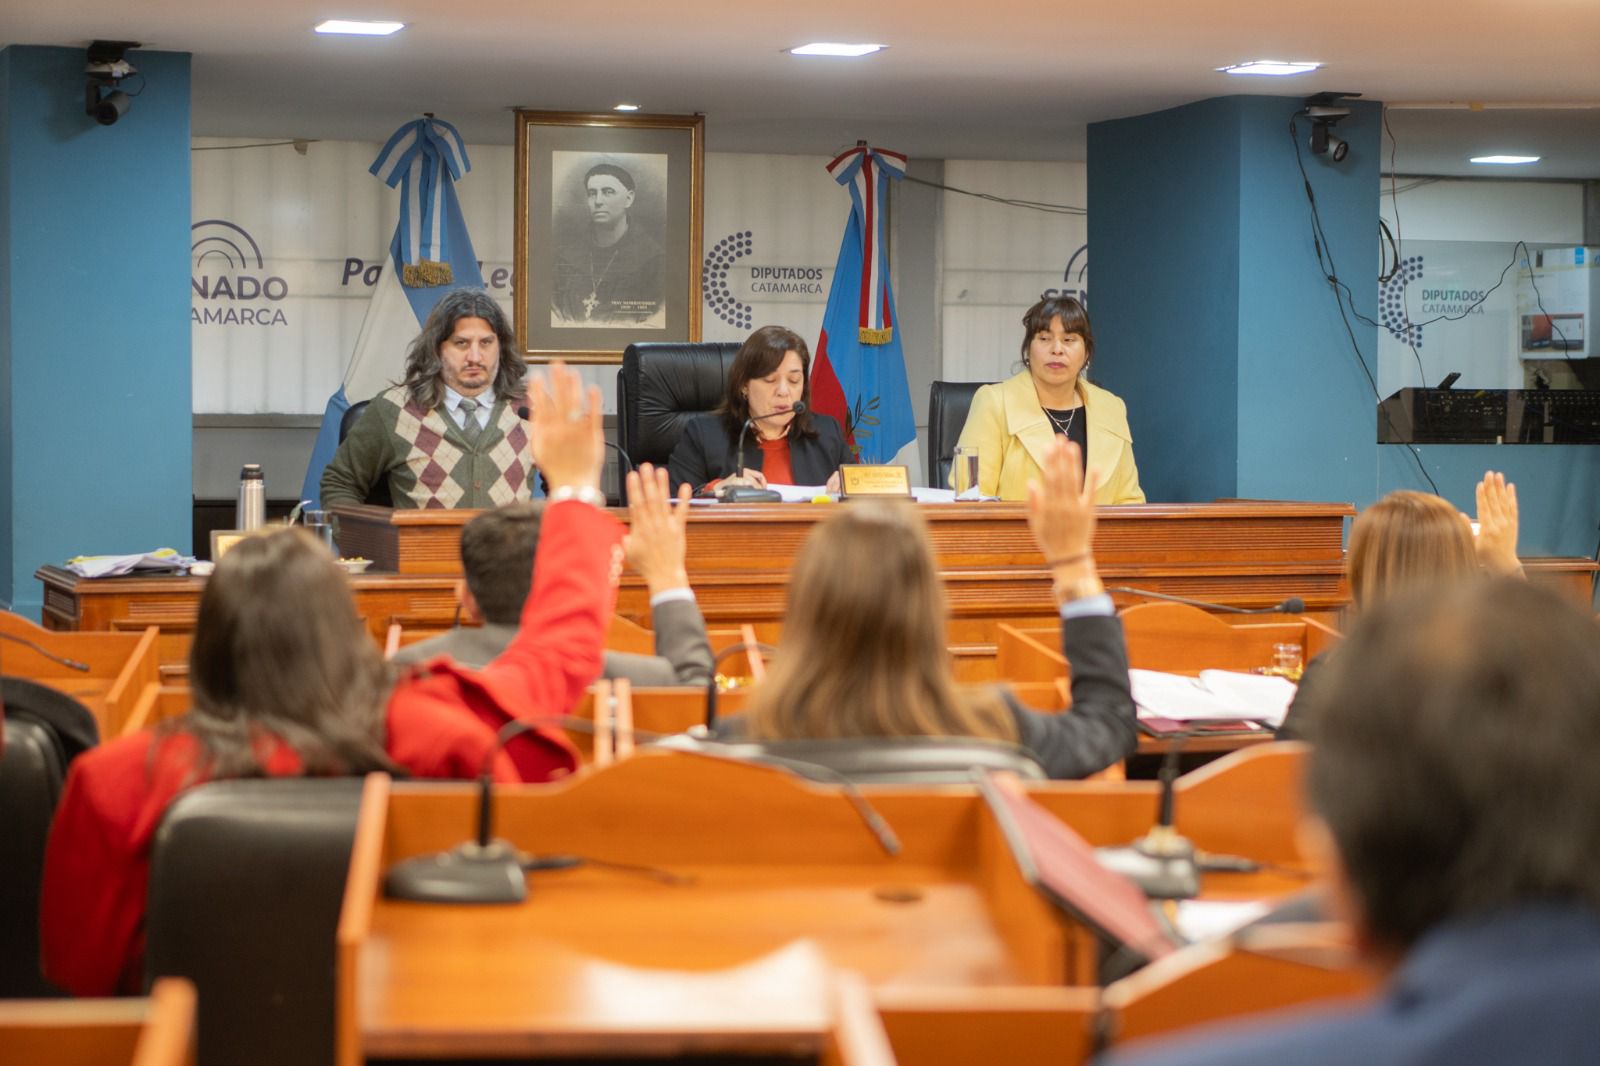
<point x="44" y="731"/>
<point x="378" y="495"/>
<point x="663" y="385"/>
<point x="948" y="402"/>
<point x="877" y="760"/>
<point x="246" y="881"/>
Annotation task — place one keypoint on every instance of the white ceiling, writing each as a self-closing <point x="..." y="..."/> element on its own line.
<point x="1004" y="79"/>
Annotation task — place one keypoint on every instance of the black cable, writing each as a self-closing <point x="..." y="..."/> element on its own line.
<point x="1319" y="241"/>
<point x="238" y="147"/>
<point x="1032" y="205"/>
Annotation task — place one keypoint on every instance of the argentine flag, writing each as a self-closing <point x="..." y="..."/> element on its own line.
<point x="859" y="372"/>
<point x="430" y="254"/>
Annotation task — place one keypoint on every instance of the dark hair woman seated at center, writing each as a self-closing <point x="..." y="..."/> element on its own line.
<point x="770" y="374"/>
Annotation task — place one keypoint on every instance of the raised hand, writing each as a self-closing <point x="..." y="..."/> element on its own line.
<point x="657" y="532"/>
<point x="1497" y="524"/>
<point x="1061" y="518"/>
<point x="568" y="442"/>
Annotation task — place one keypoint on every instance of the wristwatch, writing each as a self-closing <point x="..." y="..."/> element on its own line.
<point x="582" y="493"/>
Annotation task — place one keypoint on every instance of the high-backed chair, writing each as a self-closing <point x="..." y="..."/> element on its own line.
<point x="878" y="760"/>
<point x="44" y="731"/>
<point x="378" y="496"/>
<point x="246" y="881"/>
<point x="663" y="385"/>
<point x="948" y="402"/>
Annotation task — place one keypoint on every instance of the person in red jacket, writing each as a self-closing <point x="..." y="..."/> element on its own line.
<point x="287" y="682"/>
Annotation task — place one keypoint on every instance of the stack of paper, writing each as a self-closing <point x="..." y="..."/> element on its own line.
<point x="160" y="561"/>
<point x="1215" y="694"/>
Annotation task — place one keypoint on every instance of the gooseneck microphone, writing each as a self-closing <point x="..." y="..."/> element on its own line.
<point x="1162" y="862"/>
<point x="484" y="870"/>
<point x="1292" y="605"/>
<point x="711" y="686"/>
<point x="748" y="493"/>
<point x="523" y="412"/>
<point x="59" y="660"/>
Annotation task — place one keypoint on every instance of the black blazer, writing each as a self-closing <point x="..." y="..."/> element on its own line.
<point x="706" y="452"/>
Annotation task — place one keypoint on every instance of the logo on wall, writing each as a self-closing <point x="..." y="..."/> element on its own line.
<point x="714" y="280"/>
<point x="781" y="284"/>
<point x="1392" y="302"/>
<point x="1074" y="279"/>
<point x="230" y="277"/>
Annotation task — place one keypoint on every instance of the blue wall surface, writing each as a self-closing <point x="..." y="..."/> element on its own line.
<point x="1164" y="254"/>
<point x="1216" y="321"/>
<point x="94" y="316"/>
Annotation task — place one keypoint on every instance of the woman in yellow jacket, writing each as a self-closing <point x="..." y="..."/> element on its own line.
<point x="1012" y="423"/>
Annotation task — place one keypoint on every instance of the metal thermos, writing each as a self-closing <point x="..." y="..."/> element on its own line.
<point x="252" y="510"/>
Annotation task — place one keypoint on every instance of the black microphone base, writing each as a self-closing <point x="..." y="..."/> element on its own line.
<point x="746" y="494"/>
<point x="466" y="874"/>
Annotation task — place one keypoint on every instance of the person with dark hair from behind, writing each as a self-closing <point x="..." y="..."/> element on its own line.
<point x="448" y="435"/>
<point x="1410" y="541"/>
<point x="1451" y="771"/>
<point x="288" y="682"/>
<point x="770" y="374"/>
<point x="497" y="550"/>
<point x="864" y="651"/>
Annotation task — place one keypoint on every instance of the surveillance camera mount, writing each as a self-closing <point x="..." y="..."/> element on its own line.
<point x="1325" y="110"/>
<point x="107" y="60"/>
<point x="106" y="67"/>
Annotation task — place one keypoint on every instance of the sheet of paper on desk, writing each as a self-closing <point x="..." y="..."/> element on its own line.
<point x="1214" y="694"/>
<point x="798" y="493"/>
<point x="1205" y="919"/>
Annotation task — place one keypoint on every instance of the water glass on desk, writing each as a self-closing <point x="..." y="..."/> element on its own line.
<point x="964" y="472"/>
<point x="1288" y="660"/>
<point x="320" y="525"/>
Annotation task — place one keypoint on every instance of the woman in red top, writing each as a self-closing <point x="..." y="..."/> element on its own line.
<point x="287" y="682"/>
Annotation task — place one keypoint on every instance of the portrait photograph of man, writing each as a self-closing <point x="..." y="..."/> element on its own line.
<point x="609" y="215"/>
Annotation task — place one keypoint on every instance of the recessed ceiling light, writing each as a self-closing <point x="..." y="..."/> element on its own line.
<point x="626" y="107"/>
<point x="825" y="48"/>
<point x="1272" y="68"/>
<point x="360" y="29"/>
<point x="1505" y="160"/>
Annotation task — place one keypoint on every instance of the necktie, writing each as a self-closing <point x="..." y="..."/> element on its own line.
<point x="469" y="420"/>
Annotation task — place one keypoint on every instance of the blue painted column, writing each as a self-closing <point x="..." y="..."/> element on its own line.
<point x="95" y="394"/>
<point x="1212" y="316"/>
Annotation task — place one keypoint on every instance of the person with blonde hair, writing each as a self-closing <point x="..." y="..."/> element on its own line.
<point x="288" y="682"/>
<point x="864" y="652"/>
<point x="1411" y="542"/>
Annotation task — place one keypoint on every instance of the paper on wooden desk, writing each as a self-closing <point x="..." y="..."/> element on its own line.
<point x="1214" y="694"/>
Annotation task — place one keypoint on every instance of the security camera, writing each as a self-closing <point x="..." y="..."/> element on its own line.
<point x="105" y="70"/>
<point x="108" y="108"/>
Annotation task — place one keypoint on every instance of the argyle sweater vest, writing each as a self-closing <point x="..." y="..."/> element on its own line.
<point x="432" y="465"/>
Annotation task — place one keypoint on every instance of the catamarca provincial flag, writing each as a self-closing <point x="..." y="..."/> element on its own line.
<point x="429" y="255"/>
<point x="859" y="372"/>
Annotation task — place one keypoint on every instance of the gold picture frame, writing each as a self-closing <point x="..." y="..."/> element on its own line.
<point x="609" y="216"/>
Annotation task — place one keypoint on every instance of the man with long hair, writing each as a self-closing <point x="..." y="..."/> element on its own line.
<point x="449" y="434"/>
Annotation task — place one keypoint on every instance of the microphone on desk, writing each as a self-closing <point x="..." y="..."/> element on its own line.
<point x="1162" y="862"/>
<point x="711" y="686"/>
<point x="1292" y="605"/>
<point x="59" y="660"/>
<point x="748" y="493"/>
<point x="523" y="412"/>
<point x="484" y="870"/>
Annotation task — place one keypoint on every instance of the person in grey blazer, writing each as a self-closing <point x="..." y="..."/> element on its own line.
<point x="497" y="550"/>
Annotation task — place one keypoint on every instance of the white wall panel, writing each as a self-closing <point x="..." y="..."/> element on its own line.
<point x="999" y="259"/>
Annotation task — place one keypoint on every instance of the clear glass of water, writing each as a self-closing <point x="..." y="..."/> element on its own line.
<point x="965" y="472"/>
<point x="320" y="525"/>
